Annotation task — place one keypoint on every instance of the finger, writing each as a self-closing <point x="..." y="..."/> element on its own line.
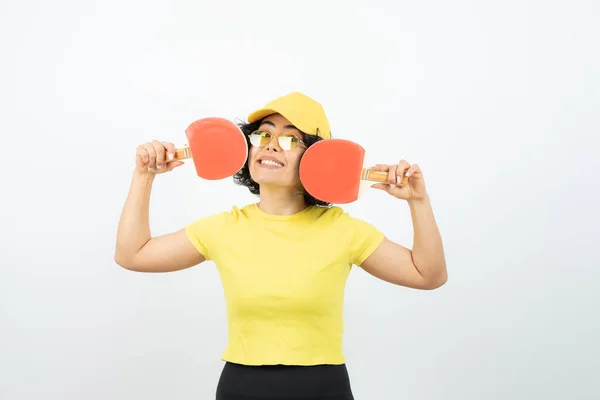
<point x="139" y="161"/>
<point x="160" y="153"/>
<point x="380" y="167"/>
<point x="414" y="170"/>
<point x="151" y="155"/>
<point x="382" y="186"/>
<point x="142" y="153"/>
<point x="390" y="189"/>
<point x="174" y="164"/>
<point x="392" y="176"/>
<point x="401" y="169"/>
<point x="170" y="149"/>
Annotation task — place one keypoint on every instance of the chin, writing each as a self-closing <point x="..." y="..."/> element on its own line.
<point x="265" y="180"/>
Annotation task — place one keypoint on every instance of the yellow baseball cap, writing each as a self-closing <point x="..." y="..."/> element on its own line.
<point x="303" y="112"/>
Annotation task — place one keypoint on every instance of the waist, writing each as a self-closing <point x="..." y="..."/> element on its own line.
<point x="285" y="381"/>
<point x="271" y="342"/>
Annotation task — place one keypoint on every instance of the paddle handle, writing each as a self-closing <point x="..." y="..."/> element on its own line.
<point x="378" y="176"/>
<point x="182" y="153"/>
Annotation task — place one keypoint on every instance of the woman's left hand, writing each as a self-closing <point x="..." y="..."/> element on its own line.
<point x="413" y="190"/>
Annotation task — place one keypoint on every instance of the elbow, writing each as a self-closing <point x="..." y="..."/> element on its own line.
<point x="124" y="262"/>
<point x="437" y="282"/>
<point x="120" y="261"/>
<point x="127" y="257"/>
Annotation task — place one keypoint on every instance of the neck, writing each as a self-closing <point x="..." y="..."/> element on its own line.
<point x="281" y="201"/>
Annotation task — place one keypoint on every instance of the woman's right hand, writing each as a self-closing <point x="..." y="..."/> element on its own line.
<point x="153" y="158"/>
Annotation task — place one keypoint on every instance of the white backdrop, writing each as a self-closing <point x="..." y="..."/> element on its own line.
<point x="497" y="101"/>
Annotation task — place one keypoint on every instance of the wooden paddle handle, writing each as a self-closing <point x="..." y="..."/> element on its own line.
<point x="378" y="176"/>
<point x="182" y="153"/>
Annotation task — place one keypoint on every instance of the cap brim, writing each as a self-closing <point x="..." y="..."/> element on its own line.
<point x="260" y="114"/>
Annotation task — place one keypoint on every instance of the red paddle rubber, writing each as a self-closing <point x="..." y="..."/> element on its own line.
<point x="218" y="146"/>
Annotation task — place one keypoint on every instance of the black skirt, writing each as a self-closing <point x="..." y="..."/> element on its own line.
<point x="281" y="382"/>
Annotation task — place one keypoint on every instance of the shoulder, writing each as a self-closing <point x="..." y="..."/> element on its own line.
<point x="336" y="214"/>
<point x="332" y="213"/>
<point x="360" y="237"/>
<point x="207" y="233"/>
<point x="344" y="223"/>
<point x="220" y="219"/>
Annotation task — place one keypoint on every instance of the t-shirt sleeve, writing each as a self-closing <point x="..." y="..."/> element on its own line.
<point x="206" y="233"/>
<point x="363" y="238"/>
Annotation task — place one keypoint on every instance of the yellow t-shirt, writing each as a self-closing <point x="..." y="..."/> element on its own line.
<point x="284" y="279"/>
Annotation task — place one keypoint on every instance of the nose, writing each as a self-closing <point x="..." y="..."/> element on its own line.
<point x="273" y="144"/>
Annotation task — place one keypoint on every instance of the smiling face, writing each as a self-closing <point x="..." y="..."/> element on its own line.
<point x="271" y="164"/>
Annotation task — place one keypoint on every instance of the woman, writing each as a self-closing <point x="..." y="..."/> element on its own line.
<point x="283" y="261"/>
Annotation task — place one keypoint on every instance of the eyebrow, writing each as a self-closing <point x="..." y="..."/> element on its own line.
<point x="273" y="125"/>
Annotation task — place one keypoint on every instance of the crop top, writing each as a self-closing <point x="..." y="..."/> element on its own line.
<point x="284" y="278"/>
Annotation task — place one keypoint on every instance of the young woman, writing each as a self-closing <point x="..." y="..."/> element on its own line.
<point x="284" y="260"/>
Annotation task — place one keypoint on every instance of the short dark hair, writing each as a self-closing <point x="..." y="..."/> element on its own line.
<point x="243" y="177"/>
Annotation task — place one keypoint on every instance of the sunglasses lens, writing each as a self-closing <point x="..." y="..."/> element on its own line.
<point x="287" y="142"/>
<point x="259" y="139"/>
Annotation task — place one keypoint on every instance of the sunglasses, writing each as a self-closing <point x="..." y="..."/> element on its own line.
<point x="286" y="142"/>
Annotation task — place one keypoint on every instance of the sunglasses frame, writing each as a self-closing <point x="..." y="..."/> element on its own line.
<point x="293" y="143"/>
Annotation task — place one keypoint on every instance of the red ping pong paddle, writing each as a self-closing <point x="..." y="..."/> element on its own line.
<point x="217" y="146"/>
<point x="332" y="170"/>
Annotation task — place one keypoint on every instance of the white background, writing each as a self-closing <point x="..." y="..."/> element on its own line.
<point x="496" y="101"/>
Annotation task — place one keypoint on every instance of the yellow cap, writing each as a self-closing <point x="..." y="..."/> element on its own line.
<point x="303" y="112"/>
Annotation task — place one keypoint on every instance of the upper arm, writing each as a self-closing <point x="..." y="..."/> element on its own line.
<point x="166" y="253"/>
<point x="393" y="263"/>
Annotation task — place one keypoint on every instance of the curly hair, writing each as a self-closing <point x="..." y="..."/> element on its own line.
<point x="243" y="177"/>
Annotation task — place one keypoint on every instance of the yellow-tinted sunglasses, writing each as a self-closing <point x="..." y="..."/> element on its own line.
<point x="286" y="142"/>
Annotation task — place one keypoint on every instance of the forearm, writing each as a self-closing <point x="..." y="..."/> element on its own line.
<point x="134" y="225"/>
<point x="427" y="252"/>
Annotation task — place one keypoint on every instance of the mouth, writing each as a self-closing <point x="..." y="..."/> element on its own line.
<point x="269" y="162"/>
